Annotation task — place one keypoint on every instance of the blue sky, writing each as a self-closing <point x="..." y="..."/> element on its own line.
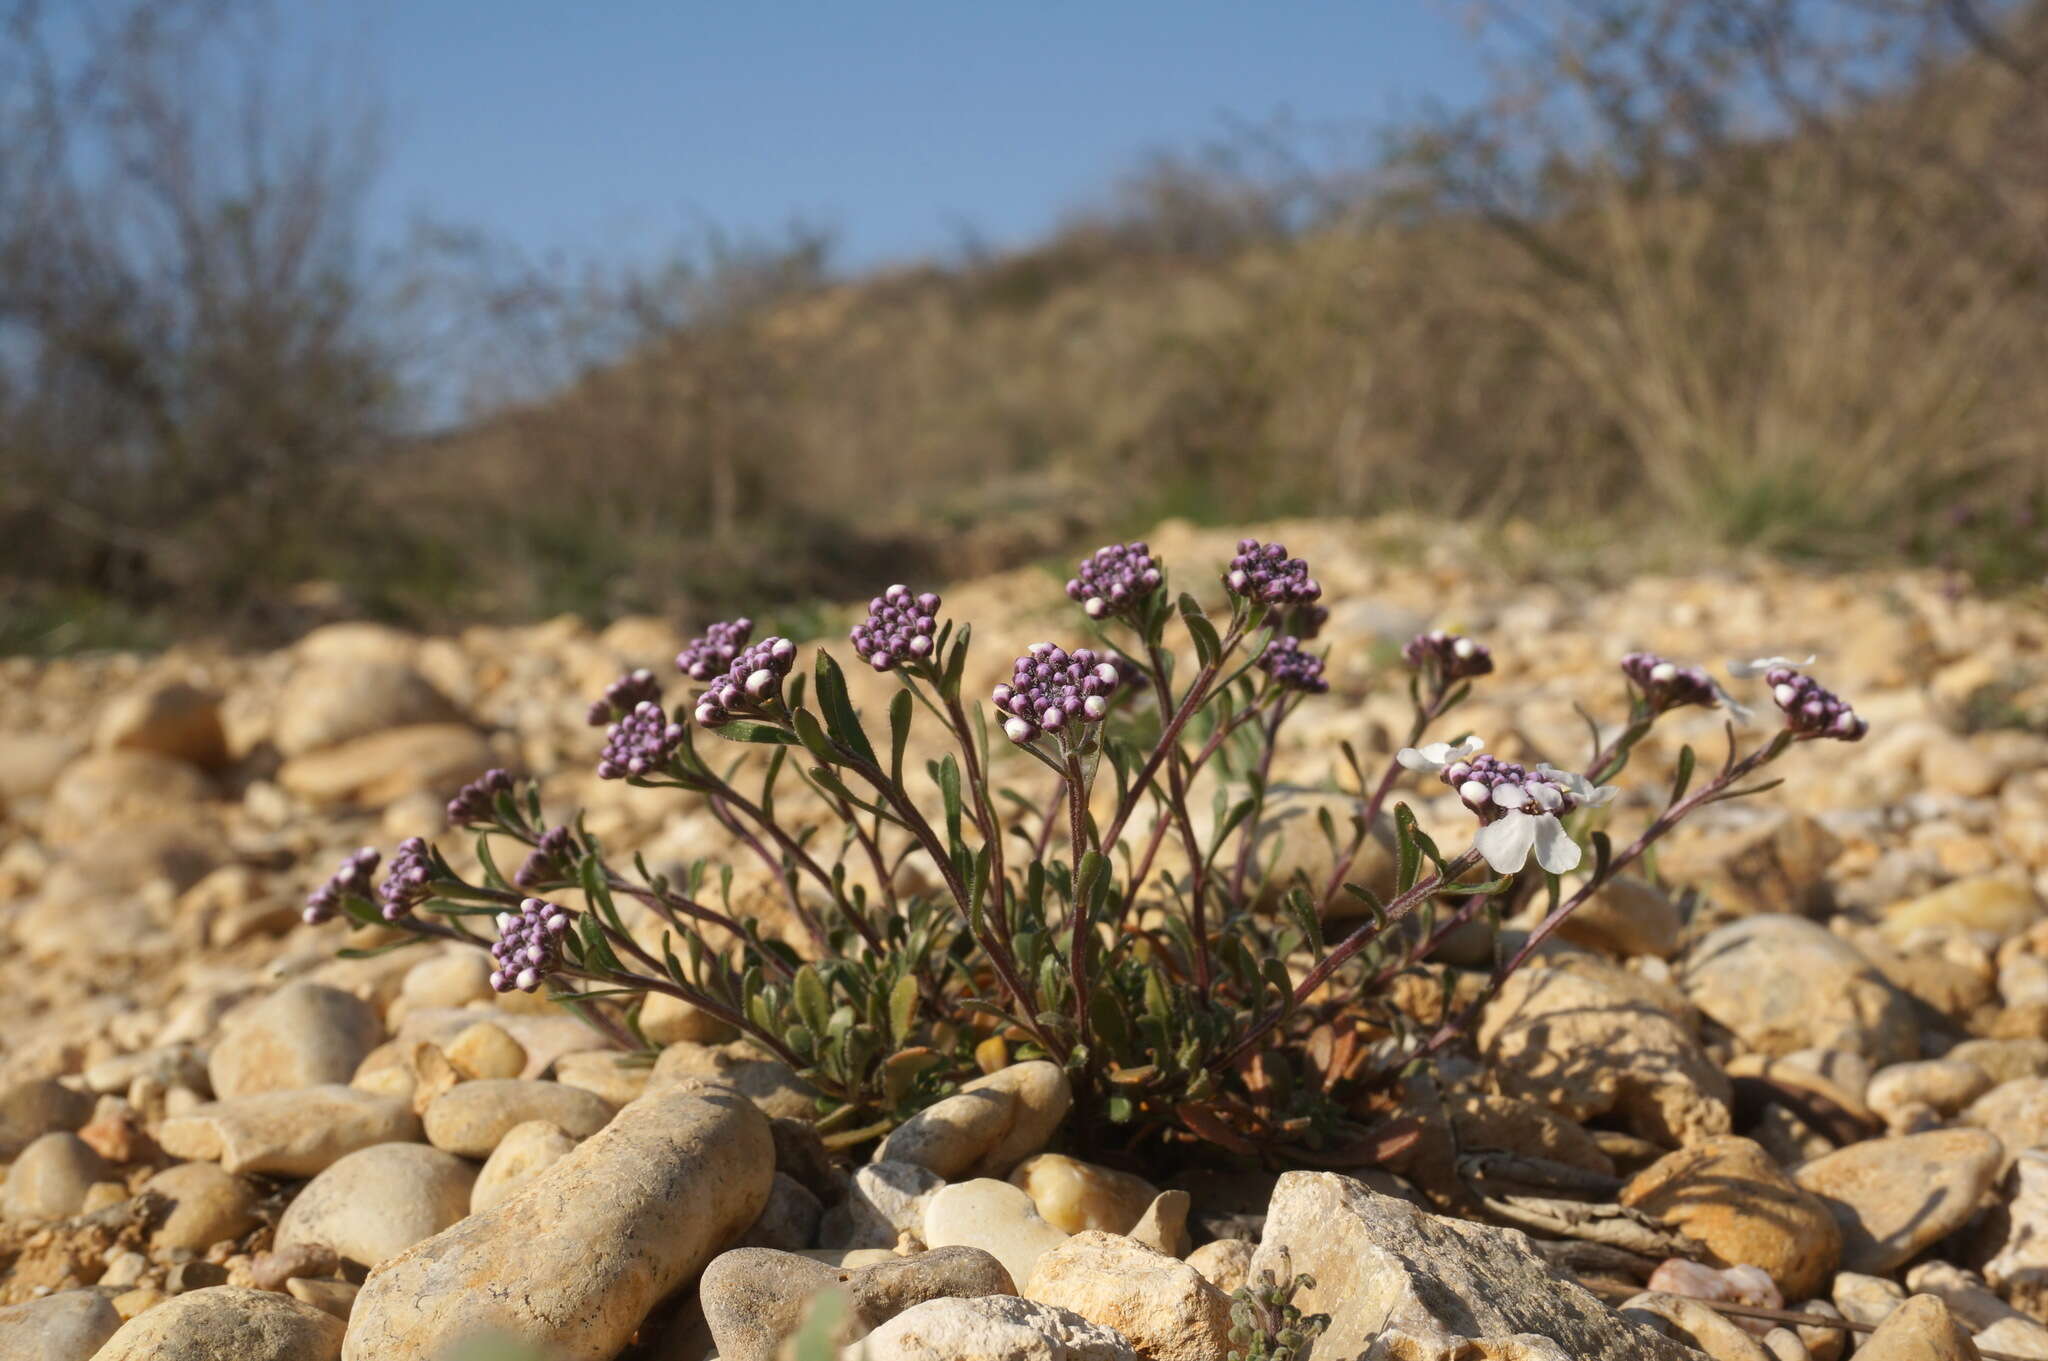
<point x="616" y="127"/>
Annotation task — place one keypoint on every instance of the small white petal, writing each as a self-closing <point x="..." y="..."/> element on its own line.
<point x="1463" y="648"/>
<point x="1547" y="796"/>
<point x="1472" y="791"/>
<point x="1510" y="796"/>
<point x="1555" y="851"/>
<point x="1505" y="841"/>
<point x="1436" y="755"/>
<point x="1756" y="666"/>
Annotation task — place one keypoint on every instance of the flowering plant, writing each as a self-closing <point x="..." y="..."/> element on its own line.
<point x="1073" y="905"/>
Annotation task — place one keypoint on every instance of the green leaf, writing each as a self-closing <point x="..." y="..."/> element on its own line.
<point x="751" y="730"/>
<point x="1208" y="647"/>
<point x="812" y="1002"/>
<point x="374" y="951"/>
<point x="899" y="733"/>
<point x="946" y="774"/>
<point x="1683" y="778"/>
<point x="840" y="719"/>
<point x="491" y="876"/>
<point x="1303" y="913"/>
<point x="814" y="739"/>
<point x="1410" y="851"/>
<point x="956" y="664"/>
<point x="902" y="1008"/>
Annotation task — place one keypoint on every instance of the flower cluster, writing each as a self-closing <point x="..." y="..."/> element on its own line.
<point x="641" y="741"/>
<point x="1114" y="578"/>
<point x="476" y="802"/>
<point x="529" y="945"/>
<point x="548" y="860"/>
<point x="1447" y="657"/>
<point x="1518" y="807"/>
<point x="1812" y="710"/>
<point x="405" y="887"/>
<point x="1051" y="687"/>
<point x="711" y="654"/>
<point x="1263" y="572"/>
<point x="622" y="696"/>
<point x="1293" y="669"/>
<point x="352" y="877"/>
<point x="754" y="677"/>
<point x="898" y="628"/>
<point x="1667" y="685"/>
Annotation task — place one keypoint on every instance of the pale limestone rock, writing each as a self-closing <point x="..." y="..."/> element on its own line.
<point x="994" y="1216"/>
<point x="1693" y="1323"/>
<point x="1380" y="1264"/>
<point x="70" y="1325"/>
<point x="1072" y="1195"/>
<point x="1921" y="1329"/>
<point x="377" y="1202"/>
<point x="753" y="1298"/>
<point x="1784" y="983"/>
<point x="1224" y="1263"/>
<point x="1165" y="1307"/>
<point x="287" y="1134"/>
<point x="486" y="1051"/>
<point x="989" y="1328"/>
<point x="525" y="1152"/>
<point x="50" y="1179"/>
<point x="207" y="1206"/>
<point x="168" y="718"/>
<point x="576" y="1259"/>
<point x="227" y="1321"/>
<point x="471" y="1117"/>
<point x="1895" y="1196"/>
<point x="1590" y="1039"/>
<point x="302" y="1035"/>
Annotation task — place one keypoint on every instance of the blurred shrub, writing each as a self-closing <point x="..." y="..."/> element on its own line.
<point x="1765" y="272"/>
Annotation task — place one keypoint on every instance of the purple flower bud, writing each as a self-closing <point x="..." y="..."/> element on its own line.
<point x="1667" y="685"/>
<point x="638" y="743"/>
<point x="1264" y="572"/>
<point x="1447" y="657"/>
<point x="352" y="878"/>
<point x="550" y="859"/>
<point x="476" y="803"/>
<point x="899" y="627"/>
<point x="711" y="654"/>
<point x="1812" y="711"/>
<point x="1293" y="669"/>
<point x="1115" y="579"/>
<point x="622" y="696"/>
<point x="1050" y="688"/>
<point x="406" y="885"/>
<point x="529" y="945"/>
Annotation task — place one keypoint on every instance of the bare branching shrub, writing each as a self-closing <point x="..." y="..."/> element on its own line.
<point x="186" y="356"/>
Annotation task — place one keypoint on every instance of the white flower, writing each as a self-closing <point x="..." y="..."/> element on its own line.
<point x="1434" y="757"/>
<point x="1530" y="822"/>
<point x="1756" y="666"/>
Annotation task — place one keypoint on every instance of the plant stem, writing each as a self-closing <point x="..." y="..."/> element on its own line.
<point x="1675" y="812"/>
<point x="1418" y="893"/>
<point x="1369" y="813"/>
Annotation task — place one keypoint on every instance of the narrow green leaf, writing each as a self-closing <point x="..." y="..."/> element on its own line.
<point x="840" y="719"/>
<point x="899" y="733"/>
<point x="814" y="739"/>
<point x="902" y="1008"/>
<point x="1208" y="647"/>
